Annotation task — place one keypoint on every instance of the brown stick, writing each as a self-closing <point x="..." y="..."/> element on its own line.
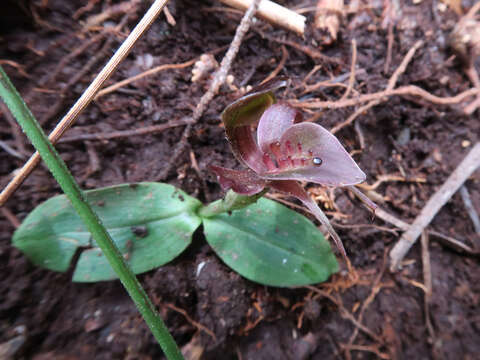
<point x="126" y="133"/>
<point x="469" y="164"/>
<point x="191" y="321"/>
<point x="146" y="73"/>
<point x="87" y="96"/>
<point x="351" y="80"/>
<point x="409" y="90"/>
<point x="345" y="313"/>
<point x="307" y="50"/>
<point x="279" y="67"/>
<point x="273" y="13"/>
<point x="448" y="241"/>
<point x="10" y="217"/>
<point x="218" y="80"/>
<point x="472" y="213"/>
<point x="391" y="84"/>
<point x="427" y="279"/>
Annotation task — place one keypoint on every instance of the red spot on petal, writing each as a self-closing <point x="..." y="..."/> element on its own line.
<point x="289" y="161"/>
<point x="282" y="162"/>
<point x="288" y="144"/>
<point x="299" y="147"/>
<point x="275" y="149"/>
<point x="268" y="162"/>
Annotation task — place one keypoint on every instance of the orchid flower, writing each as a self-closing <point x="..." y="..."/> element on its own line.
<point x="283" y="151"/>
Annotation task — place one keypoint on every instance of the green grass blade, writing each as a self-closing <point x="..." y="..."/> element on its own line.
<point x="66" y="181"/>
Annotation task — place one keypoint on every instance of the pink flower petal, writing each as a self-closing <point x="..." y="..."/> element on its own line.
<point x="308" y="152"/>
<point x="273" y="123"/>
<point x="244" y="182"/>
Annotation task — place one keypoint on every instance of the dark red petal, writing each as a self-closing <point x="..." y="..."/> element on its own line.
<point x="314" y="155"/>
<point x="245" y="148"/>
<point x="242" y="116"/>
<point x="244" y="182"/>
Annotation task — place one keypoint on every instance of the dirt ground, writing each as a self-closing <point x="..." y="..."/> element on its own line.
<point x="376" y="315"/>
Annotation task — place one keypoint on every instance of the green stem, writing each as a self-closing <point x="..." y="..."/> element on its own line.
<point x="232" y="201"/>
<point x="66" y="181"/>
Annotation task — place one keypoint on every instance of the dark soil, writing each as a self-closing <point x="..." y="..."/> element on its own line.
<point x="63" y="320"/>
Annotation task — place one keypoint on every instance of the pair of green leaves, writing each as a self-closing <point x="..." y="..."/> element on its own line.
<point x="152" y="223"/>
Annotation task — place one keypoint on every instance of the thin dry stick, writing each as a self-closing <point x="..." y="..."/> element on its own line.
<point x="467" y="201"/>
<point x="96" y="20"/>
<point x="444" y="239"/>
<point x="218" y="80"/>
<point x="409" y="90"/>
<point x="376" y="287"/>
<point x="153" y="71"/>
<point x="427" y="271"/>
<point x="469" y="164"/>
<point x="66" y="59"/>
<point x="125" y="133"/>
<point x="8" y="149"/>
<point x="391" y="85"/>
<point x="15" y="65"/>
<point x="368" y="348"/>
<point x="311" y="52"/>
<point x="345" y="313"/>
<point x="351" y="80"/>
<point x="87" y="96"/>
<point x="273" y="13"/>
<point x="191" y="321"/>
<point x="388" y="59"/>
<point x="403" y="65"/>
<point x="427" y="279"/>
<point x="99" y="55"/>
<point x="10" y="217"/>
<point x="149" y="72"/>
<point x="279" y="67"/>
<point x="470" y="108"/>
<point x="16" y="131"/>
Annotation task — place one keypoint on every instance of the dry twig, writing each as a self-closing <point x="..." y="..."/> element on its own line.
<point x="125" y="133"/>
<point x="310" y="52"/>
<point x="351" y="80"/>
<point x="217" y="81"/>
<point x="87" y="95"/>
<point x="15" y="129"/>
<point x="448" y="241"/>
<point x="469" y="164"/>
<point x="15" y="65"/>
<point x="391" y="85"/>
<point x="10" y="217"/>
<point x="345" y="313"/>
<point x="8" y="149"/>
<point x="279" y="67"/>
<point x="409" y="90"/>
<point x="273" y="13"/>
<point x="427" y="279"/>
<point x="191" y="321"/>
<point x="467" y="201"/>
<point x="146" y="73"/>
<point x="376" y="287"/>
<point x="55" y="108"/>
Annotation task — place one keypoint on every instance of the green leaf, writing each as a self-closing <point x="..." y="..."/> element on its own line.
<point x="151" y="224"/>
<point x="271" y="244"/>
